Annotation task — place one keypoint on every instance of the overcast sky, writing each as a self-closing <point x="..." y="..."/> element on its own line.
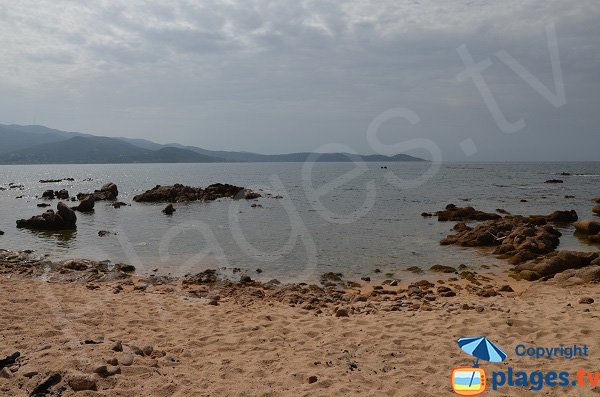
<point x="284" y="76"/>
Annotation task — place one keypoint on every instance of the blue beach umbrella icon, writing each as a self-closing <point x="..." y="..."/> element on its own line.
<point x="481" y="348"/>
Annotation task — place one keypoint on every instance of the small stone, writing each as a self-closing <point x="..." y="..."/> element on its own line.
<point x="113" y="370"/>
<point x="5" y="373"/>
<point x="586" y="300"/>
<point x="169" y="210"/>
<point x="246" y="279"/>
<point x="153" y="363"/>
<point x="117" y="347"/>
<point x="127" y="360"/>
<point x="341" y="312"/>
<point x="312" y="379"/>
<point x="113" y="361"/>
<point x="366" y="278"/>
<point x="30" y="374"/>
<point x="509" y="322"/>
<point x="147" y="350"/>
<point x="479" y="309"/>
<point x="506" y="288"/>
<point x="136" y="350"/>
<point x="82" y="382"/>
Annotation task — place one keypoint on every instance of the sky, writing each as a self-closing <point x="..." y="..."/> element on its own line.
<point x="449" y="80"/>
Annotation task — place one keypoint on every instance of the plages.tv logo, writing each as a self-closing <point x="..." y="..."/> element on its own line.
<point x="471" y="381"/>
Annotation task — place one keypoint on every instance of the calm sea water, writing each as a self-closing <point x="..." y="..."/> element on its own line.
<point x="339" y="217"/>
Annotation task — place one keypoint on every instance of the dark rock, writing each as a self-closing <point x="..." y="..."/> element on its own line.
<point x="62" y="194"/>
<point x="147" y="350"/>
<point x="117" y="346"/>
<point x="119" y="204"/>
<point x="562" y="216"/>
<point x="208" y="276"/>
<point x="366" y="278"/>
<point x="596" y="210"/>
<point x="63" y="219"/>
<point x="43" y="388"/>
<point x="48" y="194"/>
<point x="126" y="268"/>
<point x="1" y="233"/>
<point x="586" y="300"/>
<point x="43" y="205"/>
<point x="506" y="288"/>
<point x="453" y="213"/>
<point x="554" y="181"/>
<point x="180" y="193"/>
<point x="341" y="312"/>
<point x="108" y="192"/>
<point x="524" y="201"/>
<point x="426" y="214"/>
<point x="246" y="279"/>
<point x="103" y="233"/>
<point x="169" y="210"/>
<point x="86" y="204"/>
<point x="313" y="379"/>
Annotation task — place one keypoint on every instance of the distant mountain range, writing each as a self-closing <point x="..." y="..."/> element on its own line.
<point x="34" y="144"/>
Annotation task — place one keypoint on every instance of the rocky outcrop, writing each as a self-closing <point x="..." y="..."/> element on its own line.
<point x="457" y="214"/>
<point x="179" y="193"/>
<point x="517" y="238"/>
<point x="63" y="219"/>
<point x="108" y="192"/>
<point x="555" y="263"/>
<point x="86" y="204"/>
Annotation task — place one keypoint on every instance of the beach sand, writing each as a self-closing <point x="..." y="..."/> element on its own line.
<point x="262" y="347"/>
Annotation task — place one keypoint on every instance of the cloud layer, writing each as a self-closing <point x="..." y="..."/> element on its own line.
<point x="293" y="75"/>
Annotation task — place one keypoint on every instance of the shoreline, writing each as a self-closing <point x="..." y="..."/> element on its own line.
<point x="248" y="338"/>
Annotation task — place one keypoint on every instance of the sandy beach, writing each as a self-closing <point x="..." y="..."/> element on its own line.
<point x="251" y="339"/>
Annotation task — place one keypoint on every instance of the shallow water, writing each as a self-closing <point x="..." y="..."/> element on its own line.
<point x="342" y="217"/>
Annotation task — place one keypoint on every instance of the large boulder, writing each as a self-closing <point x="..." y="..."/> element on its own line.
<point x="108" y="192"/>
<point x="179" y="193"/>
<point x="86" y="205"/>
<point x="587" y="227"/>
<point x="63" y="219"/>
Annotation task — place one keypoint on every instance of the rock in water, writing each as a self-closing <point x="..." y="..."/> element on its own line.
<point x="1" y="233"/>
<point x="596" y="210"/>
<point x="108" y="192"/>
<point x="63" y="219"/>
<point x="169" y="209"/>
<point x="48" y="194"/>
<point x="86" y="204"/>
<point x="179" y="193"/>
<point x="62" y="194"/>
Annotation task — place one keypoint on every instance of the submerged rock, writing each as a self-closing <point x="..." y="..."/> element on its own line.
<point x="63" y="219"/>
<point x="169" y="209"/>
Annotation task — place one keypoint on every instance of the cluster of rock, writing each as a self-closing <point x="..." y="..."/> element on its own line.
<point x="179" y="193"/>
<point x="518" y="238"/>
<point x="63" y="219"/>
<point x="108" y="192"/>
<point x="56" y="180"/>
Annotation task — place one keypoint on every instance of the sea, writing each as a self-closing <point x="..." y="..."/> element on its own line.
<point x="358" y="219"/>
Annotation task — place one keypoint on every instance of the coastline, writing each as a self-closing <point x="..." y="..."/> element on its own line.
<point x="212" y="337"/>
